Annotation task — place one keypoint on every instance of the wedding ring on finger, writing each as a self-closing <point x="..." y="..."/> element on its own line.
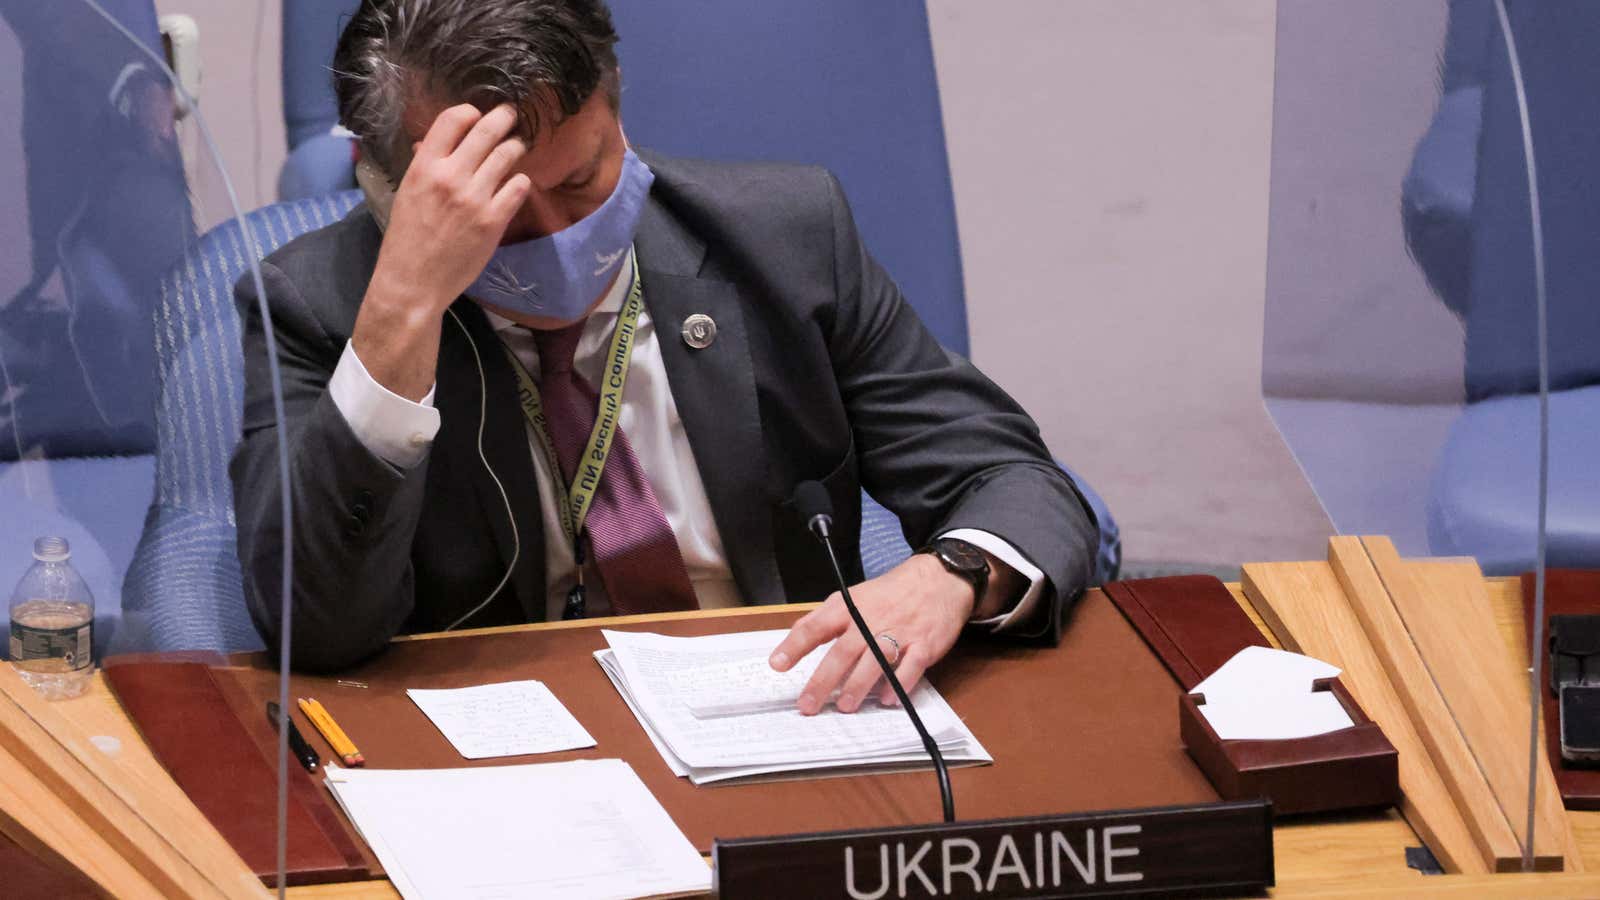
<point x="893" y="650"/>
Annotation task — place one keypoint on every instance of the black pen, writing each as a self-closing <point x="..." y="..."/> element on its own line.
<point x="297" y="741"/>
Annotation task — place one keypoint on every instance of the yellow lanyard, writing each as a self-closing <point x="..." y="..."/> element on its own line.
<point x="573" y="502"/>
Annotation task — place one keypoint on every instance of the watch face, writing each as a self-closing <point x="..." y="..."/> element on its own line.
<point x="962" y="555"/>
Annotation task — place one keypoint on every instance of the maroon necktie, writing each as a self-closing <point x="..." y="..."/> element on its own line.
<point x="630" y="540"/>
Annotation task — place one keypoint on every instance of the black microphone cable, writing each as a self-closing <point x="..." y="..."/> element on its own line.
<point x="812" y="501"/>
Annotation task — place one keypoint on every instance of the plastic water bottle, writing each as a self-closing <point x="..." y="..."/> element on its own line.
<point x="52" y="623"/>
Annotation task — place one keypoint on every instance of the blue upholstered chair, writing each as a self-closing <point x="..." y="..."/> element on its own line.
<point x="1468" y="223"/>
<point x="183" y="589"/>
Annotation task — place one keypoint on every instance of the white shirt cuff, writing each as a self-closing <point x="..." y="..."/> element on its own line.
<point x="396" y="430"/>
<point x="1003" y="551"/>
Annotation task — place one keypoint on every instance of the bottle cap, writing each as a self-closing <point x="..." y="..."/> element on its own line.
<point x="51" y="549"/>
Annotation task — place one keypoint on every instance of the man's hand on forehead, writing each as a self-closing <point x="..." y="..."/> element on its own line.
<point x="459" y="193"/>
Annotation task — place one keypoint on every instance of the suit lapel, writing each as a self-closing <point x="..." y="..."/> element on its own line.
<point x="715" y="391"/>
<point x="505" y="447"/>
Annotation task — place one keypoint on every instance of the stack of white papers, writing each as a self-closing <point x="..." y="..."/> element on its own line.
<point x="587" y="828"/>
<point x="1265" y="694"/>
<point x="716" y="711"/>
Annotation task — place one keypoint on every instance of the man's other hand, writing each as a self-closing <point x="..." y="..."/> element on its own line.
<point x="919" y="603"/>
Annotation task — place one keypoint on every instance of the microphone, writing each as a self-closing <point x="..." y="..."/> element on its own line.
<point x="812" y="501"/>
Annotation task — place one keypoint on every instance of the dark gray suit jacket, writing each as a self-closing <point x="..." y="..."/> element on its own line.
<point x="820" y="370"/>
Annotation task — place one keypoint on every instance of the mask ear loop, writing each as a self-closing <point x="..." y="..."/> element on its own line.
<point x="377" y="188"/>
<point x="483" y="412"/>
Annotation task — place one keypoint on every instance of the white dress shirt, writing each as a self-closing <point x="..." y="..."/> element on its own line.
<point x="400" y="432"/>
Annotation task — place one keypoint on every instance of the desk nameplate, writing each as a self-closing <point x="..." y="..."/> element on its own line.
<point x="1202" y="849"/>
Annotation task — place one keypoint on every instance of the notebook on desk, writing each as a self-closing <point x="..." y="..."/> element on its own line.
<point x="196" y="722"/>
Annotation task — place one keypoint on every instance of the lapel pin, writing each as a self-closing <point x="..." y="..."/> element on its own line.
<point x="699" y="330"/>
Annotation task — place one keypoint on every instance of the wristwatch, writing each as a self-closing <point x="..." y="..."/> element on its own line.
<point x="963" y="559"/>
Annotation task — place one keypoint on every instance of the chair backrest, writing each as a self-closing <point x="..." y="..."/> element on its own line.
<point x="183" y="589"/>
<point x="840" y="83"/>
<point x="310" y="33"/>
<point x="1556" y="46"/>
<point x="1437" y="195"/>
<point x="1466" y="197"/>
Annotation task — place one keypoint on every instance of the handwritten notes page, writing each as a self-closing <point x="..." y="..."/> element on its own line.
<point x="670" y="682"/>
<point x="586" y="828"/>
<point x="507" y="719"/>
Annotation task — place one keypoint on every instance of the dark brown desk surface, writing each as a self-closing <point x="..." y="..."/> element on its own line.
<point x="1091" y="724"/>
<point x="1345" y="856"/>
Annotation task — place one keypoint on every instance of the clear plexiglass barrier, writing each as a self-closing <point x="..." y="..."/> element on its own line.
<point x="1420" y="294"/>
<point x="121" y="375"/>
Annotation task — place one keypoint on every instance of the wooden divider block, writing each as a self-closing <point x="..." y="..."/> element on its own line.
<point x="1306" y="609"/>
<point x="1369" y="597"/>
<point x="35" y="816"/>
<point x="78" y="807"/>
<point x="1446" y="609"/>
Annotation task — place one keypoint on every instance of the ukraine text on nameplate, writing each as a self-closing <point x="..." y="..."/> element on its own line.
<point x="1215" y="848"/>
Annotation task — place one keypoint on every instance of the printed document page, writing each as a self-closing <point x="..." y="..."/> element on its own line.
<point x="586" y="828"/>
<point x="957" y="749"/>
<point x="664" y="679"/>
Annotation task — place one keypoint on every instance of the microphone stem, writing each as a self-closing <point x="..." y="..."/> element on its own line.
<point x="928" y="742"/>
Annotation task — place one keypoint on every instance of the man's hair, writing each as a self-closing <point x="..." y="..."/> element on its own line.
<point x="545" y="57"/>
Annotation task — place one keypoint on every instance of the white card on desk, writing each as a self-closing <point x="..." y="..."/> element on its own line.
<point x="1276" y="717"/>
<point x="511" y="718"/>
<point x="1262" y="694"/>
<point x="1255" y="671"/>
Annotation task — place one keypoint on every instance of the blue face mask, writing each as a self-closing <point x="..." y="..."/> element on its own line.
<point x="561" y="275"/>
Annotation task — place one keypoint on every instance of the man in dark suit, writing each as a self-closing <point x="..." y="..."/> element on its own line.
<point x="549" y="377"/>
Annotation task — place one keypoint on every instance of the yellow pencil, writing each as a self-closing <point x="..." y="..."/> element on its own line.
<point x="330" y="730"/>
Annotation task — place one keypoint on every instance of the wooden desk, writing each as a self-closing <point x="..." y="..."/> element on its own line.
<point x="1322" y="857"/>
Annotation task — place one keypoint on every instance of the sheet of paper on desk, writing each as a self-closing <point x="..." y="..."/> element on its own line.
<point x="586" y="828"/>
<point x="511" y="718"/>
<point x="660" y="676"/>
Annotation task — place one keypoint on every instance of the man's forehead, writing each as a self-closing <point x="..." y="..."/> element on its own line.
<point x="562" y="142"/>
<point x="424" y="106"/>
